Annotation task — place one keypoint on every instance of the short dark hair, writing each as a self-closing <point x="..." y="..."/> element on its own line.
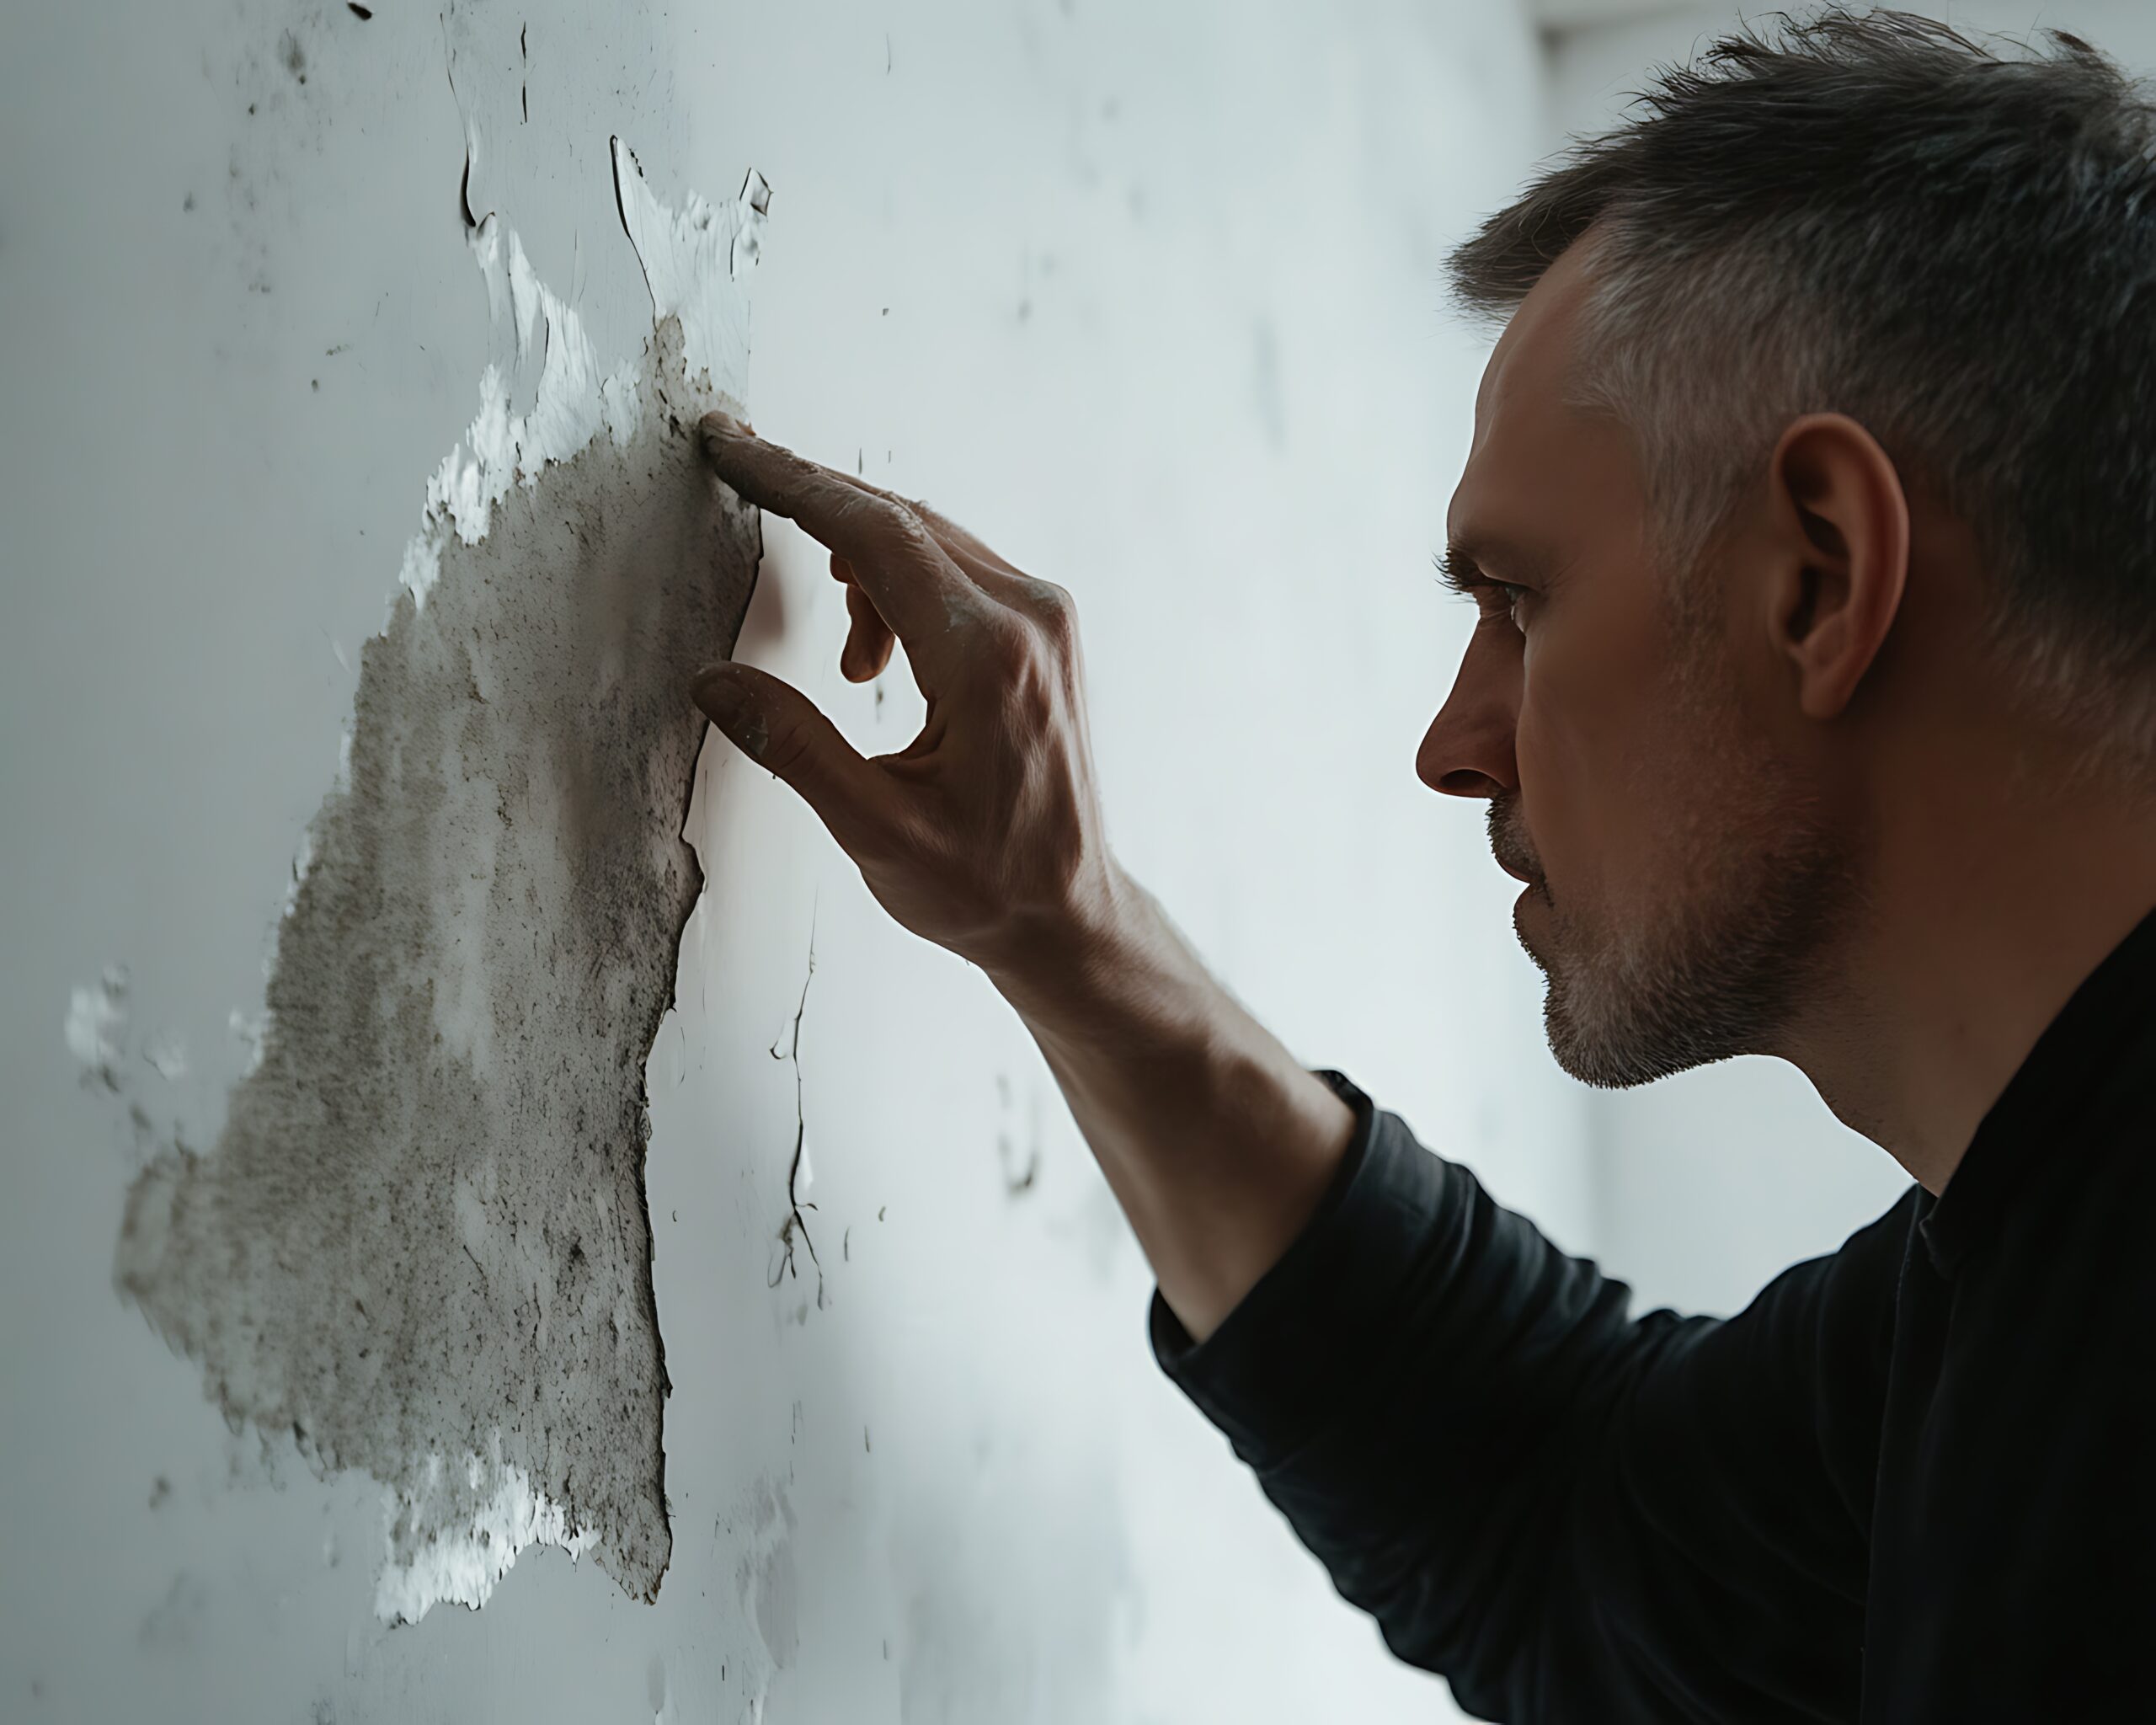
<point x="1874" y="215"/>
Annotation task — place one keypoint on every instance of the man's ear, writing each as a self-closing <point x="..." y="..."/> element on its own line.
<point x="1841" y="523"/>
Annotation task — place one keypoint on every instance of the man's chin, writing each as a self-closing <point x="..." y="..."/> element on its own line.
<point x="1531" y="907"/>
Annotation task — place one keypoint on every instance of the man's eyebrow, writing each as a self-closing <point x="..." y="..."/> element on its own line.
<point x="1459" y="566"/>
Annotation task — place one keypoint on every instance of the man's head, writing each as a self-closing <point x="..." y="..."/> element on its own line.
<point x="1818" y="454"/>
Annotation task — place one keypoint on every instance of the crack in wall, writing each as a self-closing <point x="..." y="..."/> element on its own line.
<point x="798" y="1173"/>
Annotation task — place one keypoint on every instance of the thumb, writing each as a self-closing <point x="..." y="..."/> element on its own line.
<point x="781" y="729"/>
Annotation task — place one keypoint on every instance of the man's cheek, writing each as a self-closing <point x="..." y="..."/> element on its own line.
<point x="1555" y="789"/>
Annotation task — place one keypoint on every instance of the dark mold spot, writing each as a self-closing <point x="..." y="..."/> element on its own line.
<point x="1022" y="1182"/>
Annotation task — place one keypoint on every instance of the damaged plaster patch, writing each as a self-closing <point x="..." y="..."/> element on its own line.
<point x="420" y="1244"/>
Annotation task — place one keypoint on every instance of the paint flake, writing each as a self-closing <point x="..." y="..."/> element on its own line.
<point x="97" y="1022"/>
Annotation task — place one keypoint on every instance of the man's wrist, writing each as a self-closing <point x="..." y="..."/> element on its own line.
<point x="1110" y="969"/>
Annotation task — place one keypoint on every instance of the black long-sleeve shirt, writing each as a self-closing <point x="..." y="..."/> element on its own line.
<point x="1910" y="1484"/>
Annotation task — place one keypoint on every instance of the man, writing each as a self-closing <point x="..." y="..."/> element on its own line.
<point x="1813" y="696"/>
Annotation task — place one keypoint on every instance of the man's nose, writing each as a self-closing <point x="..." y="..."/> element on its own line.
<point x="1468" y="750"/>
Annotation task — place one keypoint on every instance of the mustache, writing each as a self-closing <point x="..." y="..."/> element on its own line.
<point x="1507" y="843"/>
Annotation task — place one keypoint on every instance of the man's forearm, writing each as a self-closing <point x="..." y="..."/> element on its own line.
<point x="986" y="837"/>
<point x="1216" y="1142"/>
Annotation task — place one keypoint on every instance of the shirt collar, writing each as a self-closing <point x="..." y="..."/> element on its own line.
<point x="2048" y="1096"/>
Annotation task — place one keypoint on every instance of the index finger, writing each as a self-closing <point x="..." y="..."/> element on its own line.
<point x="921" y="593"/>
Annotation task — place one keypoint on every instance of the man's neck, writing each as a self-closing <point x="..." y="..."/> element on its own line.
<point x="1990" y="909"/>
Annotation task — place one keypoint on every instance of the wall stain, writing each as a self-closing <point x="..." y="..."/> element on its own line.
<point x="1017" y="1183"/>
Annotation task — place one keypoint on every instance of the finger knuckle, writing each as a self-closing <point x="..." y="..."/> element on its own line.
<point x="1006" y="644"/>
<point x="786" y="747"/>
<point x="947" y="532"/>
<point x="1055" y="610"/>
<point x="900" y="525"/>
<point x="1034" y="702"/>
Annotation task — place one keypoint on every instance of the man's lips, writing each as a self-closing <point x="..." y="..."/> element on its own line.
<point x="1527" y="879"/>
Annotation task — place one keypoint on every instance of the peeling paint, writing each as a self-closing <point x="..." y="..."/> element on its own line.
<point x="683" y="251"/>
<point x="166" y="1055"/>
<point x="503" y="447"/>
<point x="420" y="1244"/>
<point x="96" y="1020"/>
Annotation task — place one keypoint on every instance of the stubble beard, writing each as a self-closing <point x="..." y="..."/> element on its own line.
<point x="1757" y="887"/>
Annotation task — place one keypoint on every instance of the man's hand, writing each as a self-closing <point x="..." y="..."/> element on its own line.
<point x="984" y="834"/>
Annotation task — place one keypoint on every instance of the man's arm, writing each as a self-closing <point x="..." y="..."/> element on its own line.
<point x="985" y="837"/>
<point x="1573" y="1515"/>
<point x="1217" y="1144"/>
<point x="1579" y="1518"/>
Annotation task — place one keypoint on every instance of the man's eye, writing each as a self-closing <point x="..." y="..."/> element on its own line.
<point x="1509" y="596"/>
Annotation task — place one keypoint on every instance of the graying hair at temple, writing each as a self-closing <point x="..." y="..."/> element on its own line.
<point x="1953" y="241"/>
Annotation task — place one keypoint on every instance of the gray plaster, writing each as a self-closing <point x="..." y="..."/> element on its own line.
<point x="420" y="1243"/>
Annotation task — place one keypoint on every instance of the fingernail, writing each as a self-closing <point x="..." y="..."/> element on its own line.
<point x="719" y="692"/>
<point x="718" y="424"/>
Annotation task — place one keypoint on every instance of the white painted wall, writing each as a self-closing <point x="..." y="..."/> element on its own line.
<point x="1148" y="295"/>
<point x="1709" y="1183"/>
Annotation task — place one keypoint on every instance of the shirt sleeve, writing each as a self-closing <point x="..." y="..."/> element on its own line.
<point x="1573" y="1514"/>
